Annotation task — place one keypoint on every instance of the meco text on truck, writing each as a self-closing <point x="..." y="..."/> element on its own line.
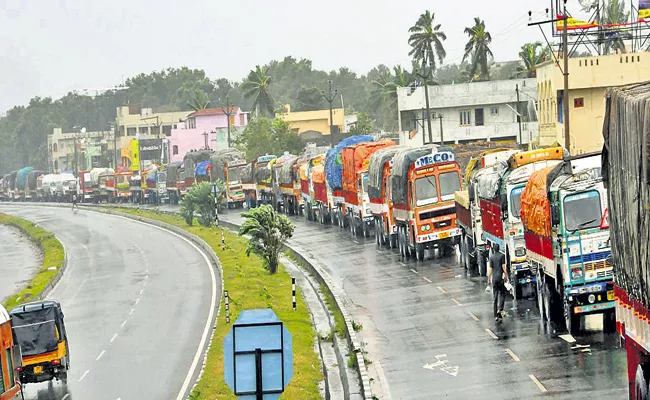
<point x="626" y="175"/>
<point x="562" y="210"/>
<point x="424" y="181"/>
<point x="468" y="208"/>
<point x="356" y="159"/>
<point x="499" y="192"/>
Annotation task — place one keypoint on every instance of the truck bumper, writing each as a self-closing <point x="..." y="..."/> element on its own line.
<point x="593" y="308"/>
<point x="431" y="237"/>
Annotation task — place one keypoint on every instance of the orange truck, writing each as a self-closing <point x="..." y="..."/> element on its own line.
<point x="381" y="205"/>
<point x="424" y="181"/>
<point x="355" y="160"/>
<point x="10" y="359"/>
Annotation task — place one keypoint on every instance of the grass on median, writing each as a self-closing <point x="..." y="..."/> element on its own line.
<point x="250" y="286"/>
<point x="53" y="256"/>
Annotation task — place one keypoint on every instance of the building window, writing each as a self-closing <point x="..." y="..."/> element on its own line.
<point x="143" y="130"/>
<point x="465" y="117"/>
<point x="231" y="120"/>
<point x="175" y="150"/>
<point x="494" y="110"/>
<point x="242" y="119"/>
<point x="478" y="117"/>
<point x="191" y="123"/>
<point x="167" y="130"/>
<point x="560" y="111"/>
<point x="155" y="130"/>
<point x="54" y="148"/>
<point x="578" y="102"/>
<point x="130" y="131"/>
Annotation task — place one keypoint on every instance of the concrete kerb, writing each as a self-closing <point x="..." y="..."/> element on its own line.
<point x="313" y="267"/>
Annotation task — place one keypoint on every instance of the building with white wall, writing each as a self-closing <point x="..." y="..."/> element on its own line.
<point x="468" y="112"/>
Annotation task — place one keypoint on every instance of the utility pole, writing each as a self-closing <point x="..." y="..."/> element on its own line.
<point x="442" y="135"/>
<point x="565" y="97"/>
<point x="518" y="112"/>
<point x="330" y="96"/>
<point x="76" y="157"/>
<point x="228" y="114"/>
<point x="205" y="140"/>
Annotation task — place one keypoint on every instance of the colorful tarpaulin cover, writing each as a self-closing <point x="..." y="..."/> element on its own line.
<point x="318" y="174"/>
<point x="462" y="198"/>
<point x="376" y="169"/>
<point x="355" y="158"/>
<point x="285" y="170"/>
<point x="303" y="171"/>
<point x="535" y="206"/>
<point x="221" y="158"/>
<point x="202" y="168"/>
<point x="333" y="163"/>
<point x="21" y="177"/>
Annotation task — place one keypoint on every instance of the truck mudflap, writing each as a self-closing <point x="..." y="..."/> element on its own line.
<point x="429" y="237"/>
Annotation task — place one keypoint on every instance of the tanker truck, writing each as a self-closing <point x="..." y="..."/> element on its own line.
<point x="355" y="161"/>
<point x="468" y="209"/>
<point x="499" y="193"/>
<point x="626" y="175"/>
<point x="562" y="212"/>
<point x="424" y="181"/>
<point x="379" y="184"/>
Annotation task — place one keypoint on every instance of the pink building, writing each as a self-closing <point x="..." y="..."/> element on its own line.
<point x="205" y="128"/>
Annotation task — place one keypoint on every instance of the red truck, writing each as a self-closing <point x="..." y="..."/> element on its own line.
<point x="424" y="181"/>
<point x="355" y="160"/>
<point x="626" y="176"/>
<point x="379" y="183"/>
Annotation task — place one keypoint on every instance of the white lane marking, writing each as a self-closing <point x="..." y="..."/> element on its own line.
<point x="382" y="379"/>
<point x="137" y="301"/>
<point x="495" y="337"/>
<point x="512" y="354"/>
<point x="442" y="290"/>
<point x="537" y="382"/>
<point x="84" y="375"/>
<point x="402" y="264"/>
<point x="113" y="338"/>
<point x="568" y="338"/>
<point x="427" y="279"/>
<point x="458" y="303"/>
<point x="132" y="311"/>
<point x="474" y="317"/>
<point x="100" y="355"/>
<point x="66" y="396"/>
<point x="123" y="323"/>
<point x="213" y="305"/>
<point x="141" y="291"/>
<point x="147" y="276"/>
<point x="414" y="271"/>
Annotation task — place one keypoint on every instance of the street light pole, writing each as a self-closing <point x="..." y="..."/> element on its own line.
<point x="228" y="114"/>
<point x="565" y="95"/>
<point x="330" y="99"/>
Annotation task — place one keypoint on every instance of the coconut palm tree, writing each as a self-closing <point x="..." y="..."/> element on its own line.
<point x="426" y="41"/>
<point x="385" y="87"/>
<point x="200" y="101"/>
<point x="615" y="13"/>
<point x="257" y="87"/>
<point x="530" y="54"/>
<point x="478" y="48"/>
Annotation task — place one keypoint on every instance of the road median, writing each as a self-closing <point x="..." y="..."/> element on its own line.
<point x="52" y="266"/>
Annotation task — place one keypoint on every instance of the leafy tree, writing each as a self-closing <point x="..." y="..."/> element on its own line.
<point x="256" y="87"/>
<point x="269" y="136"/>
<point x="199" y="201"/>
<point x="477" y="48"/>
<point x="531" y="55"/>
<point x="426" y="41"/>
<point x="268" y="231"/>
<point x="200" y="101"/>
<point x="309" y="99"/>
<point x="363" y="126"/>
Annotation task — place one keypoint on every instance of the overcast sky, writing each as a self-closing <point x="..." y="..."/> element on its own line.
<point x="50" y="47"/>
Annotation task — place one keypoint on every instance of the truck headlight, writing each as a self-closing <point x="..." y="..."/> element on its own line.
<point x="367" y="211"/>
<point x="425" y="228"/>
<point x="591" y="298"/>
<point x="520" y="252"/>
<point x="576" y="273"/>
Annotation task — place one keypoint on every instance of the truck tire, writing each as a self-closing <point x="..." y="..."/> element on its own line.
<point x="541" y="303"/>
<point x="482" y="263"/>
<point x="366" y="230"/>
<point x="609" y="321"/>
<point x="640" y="385"/>
<point x="419" y="252"/>
<point x="400" y="242"/>
<point x="463" y="250"/>
<point x="392" y="240"/>
<point x="571" y="320"/>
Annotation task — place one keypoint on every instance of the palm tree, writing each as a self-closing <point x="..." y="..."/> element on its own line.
<point x="478" y="48"/>
<point x="531" y="54"/>
<point x="385" y="87"/>
<point x="200" y="101"/>
<point x="426" y="41"/>
<point x="614" y="13"/>
<point x="257" y="87"/>
<point x="268" y="231"/>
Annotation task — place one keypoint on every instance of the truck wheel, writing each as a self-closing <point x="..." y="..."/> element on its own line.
<point x="392" y="241"/>
<point x="366" y="230"/>
<point x="400" y="242"/>
<point x="407" y="243"/>
<point x="482" y="263"/>
<point x="463" y="251"/>
<point x="541" y="301"/>
<point x="640" y="384"/>
<point x="571" y="320"/>
<point x="419" y="252"/>
<point x="609" y="321"/>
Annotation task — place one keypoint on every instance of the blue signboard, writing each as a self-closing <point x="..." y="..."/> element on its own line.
<point x="266" y="158"/>
<point x="434" y="158"/>
<point x="258" y="356"/>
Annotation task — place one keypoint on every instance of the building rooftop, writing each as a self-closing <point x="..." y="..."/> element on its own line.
<point x="213" y="111"/>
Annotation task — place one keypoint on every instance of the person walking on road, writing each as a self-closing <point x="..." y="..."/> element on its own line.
<point x="74" y="202"/>
<point x="497" y="275"/>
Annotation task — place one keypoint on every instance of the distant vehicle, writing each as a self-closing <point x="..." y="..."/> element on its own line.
<point x="10" y="359"/>
<point x="228" y="165"/>
<point x="39" y="330"/>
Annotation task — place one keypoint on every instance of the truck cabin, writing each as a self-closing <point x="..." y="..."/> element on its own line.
<point x="39" y="330"/>
<point x="10" y="358"/>
<point x="86" y="182"/>
<point x="122" y="180"/>
<point x="106" y="181"/>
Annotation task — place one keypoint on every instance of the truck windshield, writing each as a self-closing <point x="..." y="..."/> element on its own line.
<point x="582" y="211"/>
<point x="449" y="184"/>
<point x="515" y="201"/>
<point x="426" y="191"/>
<point x="234" y="174"/>
<point x="162" y="177"/>
<point x="364" y="183"/>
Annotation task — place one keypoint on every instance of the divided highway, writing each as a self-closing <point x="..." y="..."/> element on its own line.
<point x="139" y="304"/>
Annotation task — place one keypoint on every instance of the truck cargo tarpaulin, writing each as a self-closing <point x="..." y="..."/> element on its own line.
<point x="535" y="205"/>
<point x="285" y="171"/>
<point x="376" y="170"/>
<point x="21" y="177"/>
<point x="355" y="158"/>
<point x="222" y="158"/>
<point x="333" y="163"/>
<point x="401" y="163"/>
<point x="487" y="186"/>
<point x="150" y="149"/>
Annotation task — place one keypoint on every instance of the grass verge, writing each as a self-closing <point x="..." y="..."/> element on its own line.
<point x="250" y="286"/>
<point x="53" y="256"/>
<point x="339" y="321"/>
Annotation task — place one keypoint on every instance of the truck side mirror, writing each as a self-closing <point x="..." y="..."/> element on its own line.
<point x="504" y="203"/>
<point x="471" y="192"/>
<point x="18" y="356"/>
<point x="555" y="215"/>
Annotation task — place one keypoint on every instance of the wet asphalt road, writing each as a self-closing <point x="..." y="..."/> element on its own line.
<point x="20" y="260"/>
<point x="432" y="313"/>
<point x="136" y="301"/>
